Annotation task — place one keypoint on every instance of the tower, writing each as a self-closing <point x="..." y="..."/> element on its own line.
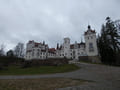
<point x="75" y="52"/>
<point x="90" y="42"/>
<point x="66" y="47"/>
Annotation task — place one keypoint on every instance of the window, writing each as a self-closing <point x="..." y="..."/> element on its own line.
<point x="90" y="45"/>
<point x="91" y="49"/>
<point x="81" y="52"/>
<point x="37" y="53"/>
<point x="65" y="41"/>
<point x="33" y="53"/>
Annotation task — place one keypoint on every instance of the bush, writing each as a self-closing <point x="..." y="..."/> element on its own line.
<point x="1" y="66"/>
<point x="117" y="59"/>
<point x="5" y="61"/>
<point x="26" y="64"/>
<point x="46" y="62"/>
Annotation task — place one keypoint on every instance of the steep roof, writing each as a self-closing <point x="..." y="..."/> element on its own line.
<point x="36" y="44"/>
<point x="72" y="46"/>
<point x="89" y="30"/>
<point x="51" y="50"/>
<point x="78" y="44"/>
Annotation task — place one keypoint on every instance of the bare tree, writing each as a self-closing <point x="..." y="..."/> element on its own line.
<point x="19" y="50"/>
<point x="2" y="51"/>
<point x="10" y="53"/>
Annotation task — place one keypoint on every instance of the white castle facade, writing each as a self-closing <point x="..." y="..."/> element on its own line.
<point x="41" y="51"/>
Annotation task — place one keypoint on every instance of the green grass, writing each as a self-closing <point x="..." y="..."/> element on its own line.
<point x="15" y="70"/>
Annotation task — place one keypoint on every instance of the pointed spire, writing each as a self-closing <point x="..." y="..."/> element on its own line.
<point x="89" y="27"/>
<point x="81" y="40"/>
<point x="43" y="42"/>
<point x="60" y="47"/>
<point x="57" y="45"/>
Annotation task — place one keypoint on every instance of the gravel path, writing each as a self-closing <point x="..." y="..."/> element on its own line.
<point x="105" y="77"/>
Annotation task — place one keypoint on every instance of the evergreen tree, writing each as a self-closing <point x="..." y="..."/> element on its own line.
<point x="108" y="42"/>
<point x="2" y="51"/>
<point x="112" y="35"/>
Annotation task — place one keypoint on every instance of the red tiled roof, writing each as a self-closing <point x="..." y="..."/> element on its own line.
<point x="30" y="41"/>
<point x="28" y="50"/>
<point x="52" y="49"/>
<point x="72" y="46"/>
<point x="92" y="31"/>
<point x="79" y="44"/>
<point x="43" y="50"/>
<point x="37" y="44"/>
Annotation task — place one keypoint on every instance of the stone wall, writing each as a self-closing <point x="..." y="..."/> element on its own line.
<point x="93" y="59"/>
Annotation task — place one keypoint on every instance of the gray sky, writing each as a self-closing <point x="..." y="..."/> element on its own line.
<point x="52" y="20"/>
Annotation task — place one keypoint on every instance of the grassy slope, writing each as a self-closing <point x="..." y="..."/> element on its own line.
<point x="14" y="70"/>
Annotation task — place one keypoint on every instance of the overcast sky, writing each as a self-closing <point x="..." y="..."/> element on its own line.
<point x="52" y="20"/>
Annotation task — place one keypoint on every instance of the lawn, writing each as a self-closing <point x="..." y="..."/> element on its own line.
<point x="16" y="70"/>
<point x="39" y="84"/>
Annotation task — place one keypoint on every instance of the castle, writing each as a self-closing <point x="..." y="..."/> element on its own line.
<point x="42" y="51"/>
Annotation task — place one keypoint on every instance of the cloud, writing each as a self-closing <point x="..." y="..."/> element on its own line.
<point x="52" y="20"/>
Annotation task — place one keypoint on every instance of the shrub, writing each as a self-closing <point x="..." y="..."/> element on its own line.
<point x="26" y="64"/>
<point x="5" y="61"/>
<point x="1" y="66"/>
<point x="46" y="62"/>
